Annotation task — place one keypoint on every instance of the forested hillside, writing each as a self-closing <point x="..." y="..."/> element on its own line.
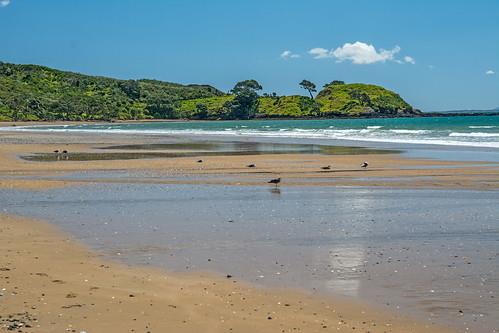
<point x="31" y="92"/>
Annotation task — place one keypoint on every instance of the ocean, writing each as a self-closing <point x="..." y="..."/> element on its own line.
<point x="471" y="131"/>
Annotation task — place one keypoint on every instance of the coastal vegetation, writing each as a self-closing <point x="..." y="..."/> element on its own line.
<point x="31" y="92"/>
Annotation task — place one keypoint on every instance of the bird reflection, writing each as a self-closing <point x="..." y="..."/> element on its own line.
<point x="275" y="191"/>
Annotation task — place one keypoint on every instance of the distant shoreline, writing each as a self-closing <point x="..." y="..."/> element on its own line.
<point x="6" y="123"/>
<point x="459" y="114"/>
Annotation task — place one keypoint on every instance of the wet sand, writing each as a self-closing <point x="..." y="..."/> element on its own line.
<point x="431" y="254"/>
<point x="296" y="169"/>
<point x="51" y="284"/>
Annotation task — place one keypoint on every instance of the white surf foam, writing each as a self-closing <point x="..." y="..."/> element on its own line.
<point x="406" y="131"/>
<point x="474" y="134"/>
<point x="399" y="136"/>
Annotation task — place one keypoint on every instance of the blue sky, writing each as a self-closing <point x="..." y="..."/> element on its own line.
<point x="437" y="54"/>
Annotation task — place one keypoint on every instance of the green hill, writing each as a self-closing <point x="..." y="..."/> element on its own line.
<point x="288" y="107"/>
<point x="31" y="92"/>
<point x="357" y="99"/>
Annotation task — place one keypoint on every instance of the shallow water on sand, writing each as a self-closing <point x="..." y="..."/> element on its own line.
<point x="434" y="253"/>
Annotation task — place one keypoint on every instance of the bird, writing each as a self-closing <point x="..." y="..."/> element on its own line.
<point x="200" y="161"/>
<point x="275" y="181"/>
<point x="326" y="167"/>
<point x="64" y="151"/>
<point x="251" y="166"/>
<point x="364" y="165"/>
<point x="56" y="151"/>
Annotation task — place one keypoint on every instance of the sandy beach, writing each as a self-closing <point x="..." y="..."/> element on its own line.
<point x="51" y="283"/>
<point x="392" y="170"/>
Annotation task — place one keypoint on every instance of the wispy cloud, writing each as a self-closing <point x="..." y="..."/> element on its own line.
<point x="410" y="60"/>
<point x="360" y="53"/>
<point x="320" y="53"/>
<point x="4" y="3"/>
<point x="490" y="72"/>
<point x="289" y="55"/>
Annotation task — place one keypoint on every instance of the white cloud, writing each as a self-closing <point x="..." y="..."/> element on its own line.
<point x="490" y="72"/>
<point x="409" y="60"/>
<point x="4" y="3"/>
<point x="358" y="53"/>
<point x="362" y="54"/>
<point x="289" y="55"/>
<point x="320" y="53"/>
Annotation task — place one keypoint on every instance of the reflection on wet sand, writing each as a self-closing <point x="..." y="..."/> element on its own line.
<point x="276" y="191"/>
<point x="193" y="149"/>
<point x="347" y="265"/>
<point x="427" y="252"/>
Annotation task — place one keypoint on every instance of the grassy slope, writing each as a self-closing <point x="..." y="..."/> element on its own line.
<point x="346" y="100"/>
<point x="287" y="106"/>
<point x="272" y="107"/>
<point x="350" y="99"/>
<point x="215" y="105"/>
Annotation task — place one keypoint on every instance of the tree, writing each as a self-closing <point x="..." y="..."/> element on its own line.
<point x="131" y="88"/>
<point x="245" y="103"/>
<point x="307" y="85"/>
<point x="201" y="111"/>
<point x="246" y="85"/>
<point x="337" y="83"/>
<point x="360" y="96"/>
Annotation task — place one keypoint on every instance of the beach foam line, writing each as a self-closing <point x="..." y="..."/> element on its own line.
<point x="323" y="134"/>
<point x="474" y="134"/>
<point x="406" y="131"/>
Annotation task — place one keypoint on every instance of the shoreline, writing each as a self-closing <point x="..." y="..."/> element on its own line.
<point x="236" y="134"/>
<point x="57" y="284"/>
<point x="428" y="114"/>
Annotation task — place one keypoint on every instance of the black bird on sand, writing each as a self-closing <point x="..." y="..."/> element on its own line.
<point x="364" y="165"/>
<point x="251" y="166"/>
<point x="275" y="181"/>
<point x="56" y="151"/>
<point x="200" y="161"/>
<point x="65" y="155"/>
<point x="326" y="167"/>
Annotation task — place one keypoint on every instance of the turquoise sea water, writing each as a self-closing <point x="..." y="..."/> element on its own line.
<point x="478" y="131"/>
